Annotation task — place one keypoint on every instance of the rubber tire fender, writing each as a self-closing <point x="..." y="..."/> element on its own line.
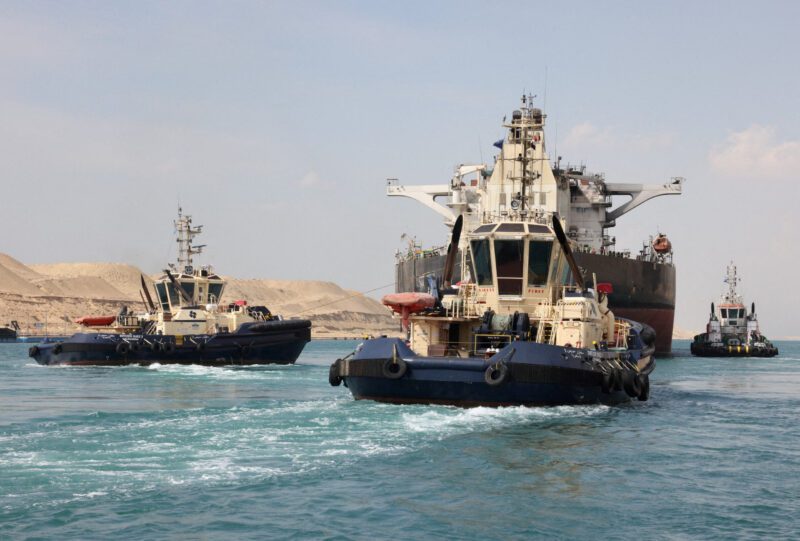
<point x="33" y="351"/>
<point x="135" y="347"/>
<point x="123" y="347"/>
<point x="168" y="347"/>
<point x="334" y="377"/>
<point x="496" y="374"/>
<point x="609" y="382"/>
<point x="155" y="347"/>
<point x="644" y="394"/>
<point x="200" y="347"/>
<point x="57" y="349"/>
<point x="632" y="384"/>
<point x="394" y="368"/>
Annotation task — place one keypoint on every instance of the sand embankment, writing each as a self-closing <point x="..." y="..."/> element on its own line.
<point x="58" y="293"/>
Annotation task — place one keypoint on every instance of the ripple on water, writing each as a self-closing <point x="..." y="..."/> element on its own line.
<point x="191" y="451"/>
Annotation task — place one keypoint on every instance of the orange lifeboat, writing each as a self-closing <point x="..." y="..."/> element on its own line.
<point x="95" y="321"/>
<point x="406" y="304"/>
<point x="661" y="244"/>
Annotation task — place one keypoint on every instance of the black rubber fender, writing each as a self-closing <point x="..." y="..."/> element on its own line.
<point x="496" y="374"/>
<point x="644" y="394"/>
<point x="618" y="379"/>
<point x="394" y="368"/>
<point x="123" y="348"/>
<point x="609" y="382"/>
<point x="57" y="349"/>
<point x="334" y="376"/>
<point x="33" y="351"/>
<point x="648" y="335"/>
<point x="135" y="347"/>
<point x="168" y="347"/>
<point x="200" y="347"/>
<point x="155" y="347"/>
<point x="632" y="383"/>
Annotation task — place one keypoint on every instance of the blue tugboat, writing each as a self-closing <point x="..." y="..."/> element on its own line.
<point x="523" y="328"/>
<point x="187" y="324"/>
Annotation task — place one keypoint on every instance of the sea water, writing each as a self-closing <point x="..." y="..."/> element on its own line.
<point x="274" y="452"/>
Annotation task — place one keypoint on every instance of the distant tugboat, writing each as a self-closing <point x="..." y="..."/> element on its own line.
<point x="8" y="333"/>
<point x="186" y="325"/>
<point x="731" y="331"/>
<point x="519" y="331"/>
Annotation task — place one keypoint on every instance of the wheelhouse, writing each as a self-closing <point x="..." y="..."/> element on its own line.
<point x="513" y="260"/>
<point x="202" y="286"/>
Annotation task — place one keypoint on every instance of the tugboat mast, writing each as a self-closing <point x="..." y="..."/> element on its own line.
<point x="732" y="280"/>
<point x="185" y="232"/>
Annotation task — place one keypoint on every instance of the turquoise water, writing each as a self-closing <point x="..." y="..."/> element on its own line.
<point x="173" y="452"/>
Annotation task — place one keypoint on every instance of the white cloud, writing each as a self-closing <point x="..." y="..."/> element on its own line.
<point x="755" y="151"/>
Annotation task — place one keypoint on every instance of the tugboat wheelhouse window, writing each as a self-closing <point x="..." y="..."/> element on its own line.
<point x="481" y="260"/>
<point x="214" y="292"/>
<point x="511" y="228"/>
<point x="173" y="295"/>
<point x="539" y="261"/>
<point x="508" y="260"/>
<point x="189" y="288"/>
<point x="162" y="296"/>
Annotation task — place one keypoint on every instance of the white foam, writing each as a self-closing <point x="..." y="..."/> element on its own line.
<point x="447" y="421"/>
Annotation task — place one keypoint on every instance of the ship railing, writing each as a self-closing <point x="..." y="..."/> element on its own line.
<point x="465" y="304"/>
<point x="128" y="321"/>
<point x="621" y="331"/>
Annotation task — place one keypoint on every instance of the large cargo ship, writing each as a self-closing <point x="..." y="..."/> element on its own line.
<point x="643" y="282"/>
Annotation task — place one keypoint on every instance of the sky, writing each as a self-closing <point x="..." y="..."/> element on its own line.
<point x="276" y="125"/>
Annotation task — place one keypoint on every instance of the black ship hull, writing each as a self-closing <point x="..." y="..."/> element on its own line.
<point x="644" y="291"/>
<point x="523" y="373"/>
<point x="8" y="334"/>
<point x="703" y="349"/>
<point x="271" y="342"/>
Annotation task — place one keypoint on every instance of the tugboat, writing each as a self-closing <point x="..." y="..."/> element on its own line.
<point x="522" y="327"/>
<point x="187" y="324"/>
<point x="731" y="331"/>
<point x="8" y="333"/>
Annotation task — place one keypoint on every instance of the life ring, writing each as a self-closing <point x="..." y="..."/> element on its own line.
<point x="644" y="394"/>
<point x="123" y="348"/>
<point x="632" y="384"/>
<point x="57" y="349"/>
<point x="334" y="377"/>
<point x="394" y="368"/>
<point x="496" y="374"/>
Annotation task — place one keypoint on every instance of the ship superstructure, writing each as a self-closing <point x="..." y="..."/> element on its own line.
<point x="732" y="331"/>
<point x="522" y="184"/>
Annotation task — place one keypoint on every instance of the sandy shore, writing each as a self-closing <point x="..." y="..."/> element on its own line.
<point x="54" y="295"/>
